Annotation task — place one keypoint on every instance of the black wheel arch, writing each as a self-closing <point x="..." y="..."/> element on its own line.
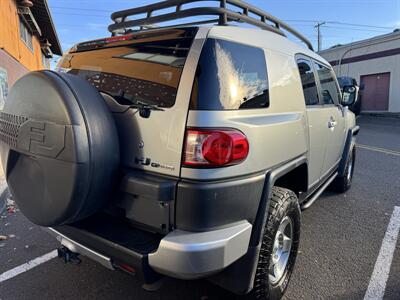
<point x="239" y="277"/>
<point x="348" y="147"/>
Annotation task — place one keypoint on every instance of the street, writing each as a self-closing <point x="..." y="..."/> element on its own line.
<point x="340" y="241"/>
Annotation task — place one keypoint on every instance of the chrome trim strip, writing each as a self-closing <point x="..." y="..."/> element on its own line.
<point x="190" y="255"/>
<point x="81" y="249"/>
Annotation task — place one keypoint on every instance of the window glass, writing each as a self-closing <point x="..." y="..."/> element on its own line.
<point x="25" y="34"/>
<point x="329" y="88"/>
<point x="345" y="80"/>
<point x="308" y="81"/>
<point x="146" y="70"/>
<point x="230" y="76"/>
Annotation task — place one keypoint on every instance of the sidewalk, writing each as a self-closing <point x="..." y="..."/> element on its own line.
<point x="381" y="114"/>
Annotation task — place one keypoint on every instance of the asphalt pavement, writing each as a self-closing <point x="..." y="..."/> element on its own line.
<point x="341" y="239"/>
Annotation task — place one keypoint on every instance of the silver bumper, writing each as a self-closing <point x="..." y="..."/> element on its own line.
<point x="183" y="254"/>
<point x="190" y="255"/>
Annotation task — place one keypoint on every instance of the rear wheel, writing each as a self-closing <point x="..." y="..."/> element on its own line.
<point x="279" y="246"/>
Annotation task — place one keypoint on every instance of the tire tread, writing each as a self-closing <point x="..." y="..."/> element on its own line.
<point x="281" y="200"/>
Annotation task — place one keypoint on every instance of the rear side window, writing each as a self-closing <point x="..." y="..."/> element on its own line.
<point x="146" y="69"/>
<point x="308" y="81"/>
<point x="329" y="87"/>
<point x="230" y="76"/>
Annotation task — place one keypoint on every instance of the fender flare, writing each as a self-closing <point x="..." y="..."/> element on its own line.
<point x="348" y="147"/>
<point x="239" y="277"/>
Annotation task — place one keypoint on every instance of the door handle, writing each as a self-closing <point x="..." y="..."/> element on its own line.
<point x="332" y="124"/>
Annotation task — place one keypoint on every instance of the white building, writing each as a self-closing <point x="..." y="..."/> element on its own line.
<point x="375" y="64"/>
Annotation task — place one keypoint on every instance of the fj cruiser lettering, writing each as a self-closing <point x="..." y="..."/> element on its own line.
<point x="181" y="150"/>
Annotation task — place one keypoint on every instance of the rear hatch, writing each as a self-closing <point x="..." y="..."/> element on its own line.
<point x="142" y="72"/>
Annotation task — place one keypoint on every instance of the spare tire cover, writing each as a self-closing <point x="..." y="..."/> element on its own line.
<point x="59" y="147"/>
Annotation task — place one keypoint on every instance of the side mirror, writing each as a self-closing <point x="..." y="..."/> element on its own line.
<point x="349" y="95"/>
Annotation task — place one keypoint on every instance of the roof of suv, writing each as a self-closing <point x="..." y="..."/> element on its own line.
<point x="249" y="36"/>
<point x="130" y="23"/>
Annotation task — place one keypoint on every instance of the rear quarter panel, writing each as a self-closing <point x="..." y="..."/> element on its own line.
<point x="276" y="134"/>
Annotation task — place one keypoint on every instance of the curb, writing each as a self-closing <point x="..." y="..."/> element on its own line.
<point x="3" y="198"/>
<point x="381" y="115"/>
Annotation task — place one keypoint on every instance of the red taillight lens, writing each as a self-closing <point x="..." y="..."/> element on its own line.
<point x="214" y="148"/>
<point x="119" y="38"/>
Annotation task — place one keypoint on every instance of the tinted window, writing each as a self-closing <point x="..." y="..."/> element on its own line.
<point x="308" y="81"/>
<point x="329" y="88"/>
<point x="230" y="76"/>
<point x="145" y="69"/>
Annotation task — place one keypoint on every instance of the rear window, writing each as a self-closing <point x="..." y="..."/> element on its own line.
<point x="230" y="76"/>
<point x="145" y="69"/>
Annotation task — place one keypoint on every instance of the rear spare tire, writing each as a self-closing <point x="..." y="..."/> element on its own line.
<point x="59" y="147"/>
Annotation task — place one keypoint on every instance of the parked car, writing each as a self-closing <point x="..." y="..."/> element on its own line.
<point x="185" y="151"/>
<point x="346" y="81"/>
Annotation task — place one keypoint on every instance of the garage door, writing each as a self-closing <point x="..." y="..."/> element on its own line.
<point x="375" y="96"/>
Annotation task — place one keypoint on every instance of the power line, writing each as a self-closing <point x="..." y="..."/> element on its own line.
<point x="338" y="23"/>
<point x="287" y="20"/>
<point x="359" y="25"/>
<point x="355" y="29"/>
<point x="83" y="9"/>
<point x="77" y="14"/>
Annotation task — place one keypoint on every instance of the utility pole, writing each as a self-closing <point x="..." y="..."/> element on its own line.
<point x="318" y="26"/>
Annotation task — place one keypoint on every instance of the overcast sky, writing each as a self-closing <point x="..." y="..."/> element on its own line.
<point x="80" y="20"/>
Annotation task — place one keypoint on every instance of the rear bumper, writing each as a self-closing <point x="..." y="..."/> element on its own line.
<point x="180" y="254"/>
<point x="212" y="224"/>
<point x="81" y="249"/>
<point x="190" y="255"/>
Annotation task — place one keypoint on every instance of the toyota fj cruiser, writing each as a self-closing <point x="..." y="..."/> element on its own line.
<point x="181" y="150"/>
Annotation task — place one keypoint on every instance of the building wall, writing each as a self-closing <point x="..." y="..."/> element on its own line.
<point x="11" y="42"/>
<point x="379" y="45"/>
<point x="14" y="69"/>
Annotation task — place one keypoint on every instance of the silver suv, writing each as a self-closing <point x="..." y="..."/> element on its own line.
<point x="185" y="150"/>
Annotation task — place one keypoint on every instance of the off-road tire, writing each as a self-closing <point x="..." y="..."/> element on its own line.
<point x="342" y="183"/>
<point x="282" y="203"/>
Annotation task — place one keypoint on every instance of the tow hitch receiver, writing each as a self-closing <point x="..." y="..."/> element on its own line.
<point x="68" y="256"/>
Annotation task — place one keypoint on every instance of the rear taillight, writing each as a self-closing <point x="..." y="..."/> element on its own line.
<point x="215" y="148"/>
<point x="119" y="38"/>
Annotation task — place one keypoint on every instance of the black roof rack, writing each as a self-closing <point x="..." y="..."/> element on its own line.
<point x="122" y="22"/>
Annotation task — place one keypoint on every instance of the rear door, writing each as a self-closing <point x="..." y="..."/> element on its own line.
<point x="333" y="121"/>
<point x="316" y="121"/>
<point x="155" y="68"/>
